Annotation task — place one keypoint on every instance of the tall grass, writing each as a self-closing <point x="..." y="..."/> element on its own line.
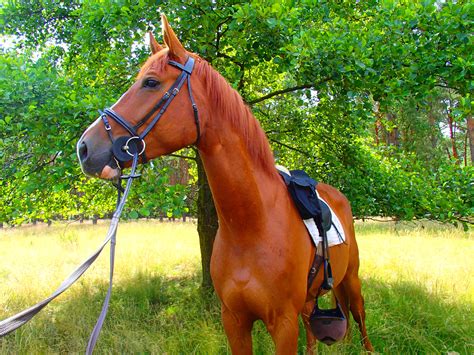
<point x="417" y="282"/>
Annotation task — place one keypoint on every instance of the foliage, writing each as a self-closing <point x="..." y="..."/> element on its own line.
<point x="402" y="188"/>
<point x="318" y="75"/>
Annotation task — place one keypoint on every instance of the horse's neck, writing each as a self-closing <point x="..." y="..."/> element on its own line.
<point x="241" y="188"/>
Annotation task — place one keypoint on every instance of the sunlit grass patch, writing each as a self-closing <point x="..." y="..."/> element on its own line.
<point x="417" y="282"/>
<point x="439" y="259"/>
<point x="418" y="285"/>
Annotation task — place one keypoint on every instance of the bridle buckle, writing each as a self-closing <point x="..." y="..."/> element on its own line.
<point x="106" y="122"/>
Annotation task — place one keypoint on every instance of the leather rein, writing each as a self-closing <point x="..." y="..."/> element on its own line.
<point x="124" y="148"/>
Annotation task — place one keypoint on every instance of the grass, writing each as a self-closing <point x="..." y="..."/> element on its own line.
<point x="417" y="282"/>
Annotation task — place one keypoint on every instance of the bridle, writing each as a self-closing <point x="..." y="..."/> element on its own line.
<point x="125" y="147"/>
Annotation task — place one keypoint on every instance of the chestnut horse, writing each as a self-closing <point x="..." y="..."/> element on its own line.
<point x="262" y="252"/>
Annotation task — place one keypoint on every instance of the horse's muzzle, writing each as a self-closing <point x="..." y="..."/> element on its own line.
<point x="97" y="160"/>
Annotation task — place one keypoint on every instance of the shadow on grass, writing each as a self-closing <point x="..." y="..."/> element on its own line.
<point x="405" y="317"/>
<point x="152" y="313"/>
<point x="148" y="313"/>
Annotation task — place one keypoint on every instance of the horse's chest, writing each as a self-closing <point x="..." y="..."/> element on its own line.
<point x="241" y="267"/>
<point x="250" y="282"/>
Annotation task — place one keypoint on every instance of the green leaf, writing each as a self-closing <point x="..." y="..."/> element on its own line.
<point x="144" y="212"/>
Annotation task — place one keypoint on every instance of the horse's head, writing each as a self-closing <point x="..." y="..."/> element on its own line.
<point x="159" y="111"/>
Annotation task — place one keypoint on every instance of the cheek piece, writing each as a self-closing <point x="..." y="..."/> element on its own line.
<point x="125" y="147"/>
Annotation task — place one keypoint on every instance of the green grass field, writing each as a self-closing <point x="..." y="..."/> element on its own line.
<point x="417" y="281"/>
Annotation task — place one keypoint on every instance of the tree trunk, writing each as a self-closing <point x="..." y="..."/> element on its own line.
<point x="465" y="147"/>
<point x="449" y="154"/>
<point x="433" y="126"/>
<point x="378" y="122"/>
<point x="451" y="125"/>
<point x="207" y="223"/>
<point x="470" y="130"/>
<point x="392" y="132"/>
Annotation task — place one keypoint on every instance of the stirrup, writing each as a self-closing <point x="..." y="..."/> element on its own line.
<point x="328" y="325"/>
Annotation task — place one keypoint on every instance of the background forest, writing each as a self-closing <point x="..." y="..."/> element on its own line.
<point x="374" y="97"/>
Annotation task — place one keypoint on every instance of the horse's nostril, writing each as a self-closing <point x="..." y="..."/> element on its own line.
<point x="82" y="151"/>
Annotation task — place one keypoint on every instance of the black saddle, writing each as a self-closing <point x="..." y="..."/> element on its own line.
<point x="302" y="189"/>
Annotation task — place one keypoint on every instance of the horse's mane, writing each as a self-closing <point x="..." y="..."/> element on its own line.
<point x="230" y="106"/>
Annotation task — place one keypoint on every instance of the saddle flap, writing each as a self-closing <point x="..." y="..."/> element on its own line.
<point x="326" y="216"/>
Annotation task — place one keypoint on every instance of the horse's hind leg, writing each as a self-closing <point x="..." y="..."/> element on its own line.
<point x="340" y="294"/>
<point x="238" y="330"/>
<point x="352" y="288"/>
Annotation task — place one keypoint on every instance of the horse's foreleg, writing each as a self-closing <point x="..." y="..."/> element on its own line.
<point x="311" y="342"/>
<point x="284" y="331"/>
<point x="238" y="329"/>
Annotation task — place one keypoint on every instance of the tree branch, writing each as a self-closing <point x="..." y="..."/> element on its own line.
<point x="231" y="59"/>
<point x="182" y="156"/>
<point x="287" y="90"/>
<point x="293" y="148"/>
<point x="20" y="157"/>
<point x="220" y="33"/>
<point x="444" y="86"/>
<point x="465" y="220"/>
<point x="389" y="219"/>
<point x="240" y="85"/>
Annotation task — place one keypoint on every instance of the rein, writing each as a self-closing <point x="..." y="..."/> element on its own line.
<point x="124" y="149"/>
<point x="10" y="324"/>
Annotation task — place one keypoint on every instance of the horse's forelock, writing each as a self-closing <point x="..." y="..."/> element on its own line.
<point x="157" y="62"/>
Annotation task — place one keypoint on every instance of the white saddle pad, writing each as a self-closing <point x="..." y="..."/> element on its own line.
<point x="335" y="234"/>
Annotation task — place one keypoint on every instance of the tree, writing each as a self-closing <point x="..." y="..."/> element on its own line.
<point x="312" y="73"/>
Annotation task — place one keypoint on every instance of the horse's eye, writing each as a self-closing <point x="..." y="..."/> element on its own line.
<point x="150" y="83"/>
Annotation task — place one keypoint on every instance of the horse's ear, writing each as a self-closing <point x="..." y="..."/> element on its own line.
<point x="176" y="49"/>
<point x="154" y="45"/>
